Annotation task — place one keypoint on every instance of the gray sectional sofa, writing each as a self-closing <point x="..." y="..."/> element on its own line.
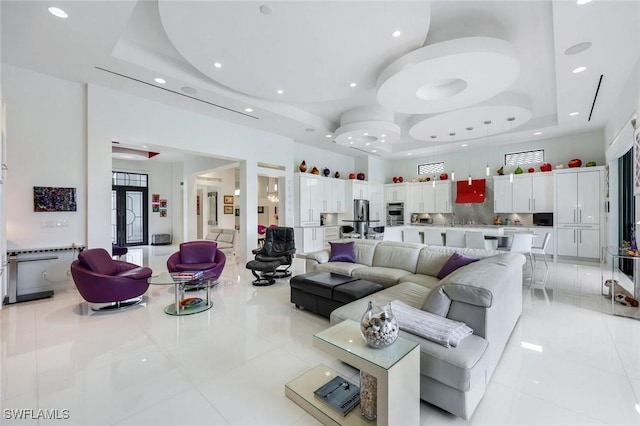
<point x="486" y="295"/>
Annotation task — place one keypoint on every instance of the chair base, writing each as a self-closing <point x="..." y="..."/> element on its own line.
<point x="114" y="306"/>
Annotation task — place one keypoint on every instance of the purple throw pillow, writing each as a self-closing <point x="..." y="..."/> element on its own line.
<point x="342" y="252"/>
<point x="456" y="261"/>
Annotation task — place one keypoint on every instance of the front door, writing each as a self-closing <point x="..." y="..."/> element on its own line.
<point x="129" y="209"/>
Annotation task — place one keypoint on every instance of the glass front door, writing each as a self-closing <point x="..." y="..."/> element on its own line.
<point x="129" y="216"/>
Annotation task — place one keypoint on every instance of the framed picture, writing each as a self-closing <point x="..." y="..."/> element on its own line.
<point x="163" y="212"/>
<point x="155" y="198"/>
<point x="228" y="199"/>
<point x="228" y="209"/>
<point x="155" y="207"/>
<point x="163" y="203"/>
<point x="260" y="209"/>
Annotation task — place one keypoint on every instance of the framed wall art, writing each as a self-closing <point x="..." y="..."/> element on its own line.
<point x="228" y="199"/>
<point x="228" y="209"/>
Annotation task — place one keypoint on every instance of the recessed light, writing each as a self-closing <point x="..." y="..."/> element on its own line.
<point x="160" y="80"/>
<point x="577" y="48"/>
<point x="574" y="113"/>
<point x="366" y="134"/>
<point x="328" y="135"/>
<point x="383" y="135"/>
<point x="144" y="146"/>
<point x="368" y="143"/>
<point x="579" y="69"/>
<point x="409" y="153"/>
<point x="537" y="133"/>
<point x="465" y="144"/>
<point x="248" y="110"/>
<point x="217" y="64"/>
<point x="349" y="137"/>
<point x="279" y="91"/>
<point x="469" y="128"/>
<point x="383" y="140"/>
<point x="396" y="34"/>
<point x="265" y="9"/>
<point x="353" y="84"/>
<point x="374" y="150"/>
<point x="581" y="2"/>
<point x="56" y="11"/>
<point x="351" y="143"/>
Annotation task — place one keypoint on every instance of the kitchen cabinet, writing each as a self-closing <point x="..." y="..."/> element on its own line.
<point x="333" y="195"/>
<point x="578" y="242"/>
<point x="502" y="195"/>
<point x="578" y="197"/>
<point x="310" y="193"/>
<point x="429" y="198"/>
<point x="579" y="212"/>
<point x="309" y="239"/>
<point x="442" y="197"/>
<point x="532" y="193"/>
<point x="359" y="190"/>
<point x="376" y="203"/>
<point x="395" y="192"/>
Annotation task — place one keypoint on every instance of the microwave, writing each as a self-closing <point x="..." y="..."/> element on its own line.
<point x="543" y="219"/>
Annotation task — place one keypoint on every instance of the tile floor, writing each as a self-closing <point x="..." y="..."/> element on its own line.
<point x="568" y="360"/>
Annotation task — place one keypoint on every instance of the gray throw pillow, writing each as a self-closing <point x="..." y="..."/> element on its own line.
<point x="437" y="302"/>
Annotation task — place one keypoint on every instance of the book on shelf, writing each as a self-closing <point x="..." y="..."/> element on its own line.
<point x="187" y="276"/>
<point x="340" y="394"/>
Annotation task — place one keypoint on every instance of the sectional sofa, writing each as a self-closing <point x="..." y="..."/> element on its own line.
<point x="486" y="295"/>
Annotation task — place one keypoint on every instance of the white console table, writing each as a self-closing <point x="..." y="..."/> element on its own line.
<point x="396" y="368"/>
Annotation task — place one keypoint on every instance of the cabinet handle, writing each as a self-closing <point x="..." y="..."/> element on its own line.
<point x="580" y="215"/>
<point x="574" y="236"/>
<point x="580" y="233"/>
<point x="574" y="216"/>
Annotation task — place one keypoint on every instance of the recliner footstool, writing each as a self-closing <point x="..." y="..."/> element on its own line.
<point x="267" y="271"/>
<point x="322" y="292"/>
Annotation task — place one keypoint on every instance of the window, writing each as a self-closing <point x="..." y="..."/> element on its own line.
<point x="526" y="157"/>
<point x="430" y="168"/>
<point x="129" y="179"/>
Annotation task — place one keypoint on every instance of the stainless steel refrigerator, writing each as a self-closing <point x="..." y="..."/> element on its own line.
<point x="361" y="217"/>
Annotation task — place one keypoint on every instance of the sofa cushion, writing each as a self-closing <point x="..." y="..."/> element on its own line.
<point x="395" y="255"/>
<point x="424" y="280"/>
<point x="222" y="245"/>
<point x="365" y="250"/>
<point x="437" y="302"/>
<point x="342" y="252"/>
<point x="456" y="261"/>
<point x="385" y="276"/>
<point x="343" y="268"/>
<point x="430" y="262"/>
<point x="225" y="238"/>
<point x="212" y="236"/>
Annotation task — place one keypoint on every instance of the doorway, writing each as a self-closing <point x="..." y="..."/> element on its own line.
<point x="129" y="209"/>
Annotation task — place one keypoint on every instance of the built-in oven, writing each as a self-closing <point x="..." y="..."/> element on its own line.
<point x="395" y="214"/>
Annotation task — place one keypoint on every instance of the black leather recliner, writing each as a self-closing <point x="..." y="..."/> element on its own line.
<point x="275" y="257"/>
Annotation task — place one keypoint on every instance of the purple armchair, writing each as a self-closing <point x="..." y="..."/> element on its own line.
<point x="100" y="279"/>
<point x="198" y="256"/>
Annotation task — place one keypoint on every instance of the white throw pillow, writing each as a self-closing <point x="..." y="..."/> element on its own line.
<point x="226" y="238"/>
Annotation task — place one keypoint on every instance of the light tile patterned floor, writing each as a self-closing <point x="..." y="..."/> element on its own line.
<point x="228" y="366"/>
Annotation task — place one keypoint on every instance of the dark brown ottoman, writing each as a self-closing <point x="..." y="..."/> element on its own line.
<point x="322" y="292"/>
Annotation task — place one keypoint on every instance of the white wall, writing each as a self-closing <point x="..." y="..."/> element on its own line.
<point x="118" y="116"/>
<point x="46" y="146"/>
<point x="586" y="146"/>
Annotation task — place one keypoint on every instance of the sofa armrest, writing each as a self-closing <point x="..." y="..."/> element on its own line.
<point x="315" y="258"/>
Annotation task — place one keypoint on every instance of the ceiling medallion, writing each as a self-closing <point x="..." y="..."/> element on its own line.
<point x="368" y="128"/>
<point x="468" y="123"/>
<point x="448" y="75"/>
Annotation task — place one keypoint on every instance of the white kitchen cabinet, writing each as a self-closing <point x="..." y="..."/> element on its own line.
<point x="531" y="193"/>
<point x="442" y="197"/>
<point x="376" y="203"/>
<point x="578" y="242"/>
<point x="334" y="195"/>
<point x="359" y="190"/>
<point x="310" y="191"/>
<point x="415" y="200"/>
<point x="578" y="195"/>
<point x="395" y="192"/>
<point x="502" y="195"/>
<point x="309" y="239"/>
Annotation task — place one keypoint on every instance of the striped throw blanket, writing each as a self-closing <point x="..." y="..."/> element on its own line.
<point x="433" y="327"/>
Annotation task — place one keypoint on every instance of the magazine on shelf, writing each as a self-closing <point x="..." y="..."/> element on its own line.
<point x="187" y="276"/>
<point x="340" y="394"/>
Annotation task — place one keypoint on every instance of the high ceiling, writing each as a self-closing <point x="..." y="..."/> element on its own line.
<point x="377" y="77"/>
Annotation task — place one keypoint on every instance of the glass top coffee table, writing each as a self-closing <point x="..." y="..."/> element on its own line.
<point x="182" y="305"/>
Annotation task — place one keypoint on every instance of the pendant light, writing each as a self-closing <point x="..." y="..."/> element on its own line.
<point x="453" y="173"/>
<point x="487" y="171"/>
<point x="510" y="120"/>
